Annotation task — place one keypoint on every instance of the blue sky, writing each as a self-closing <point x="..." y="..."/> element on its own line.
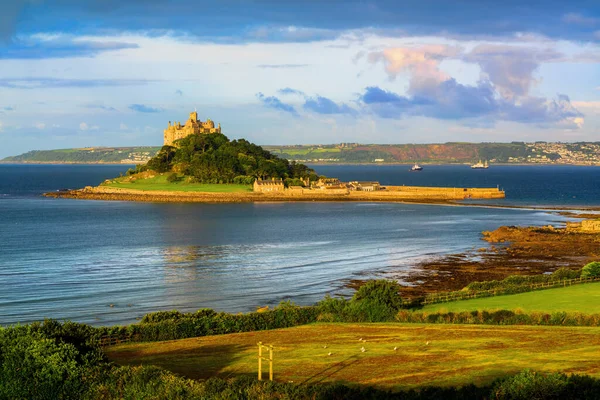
<point x="114" y="72"/>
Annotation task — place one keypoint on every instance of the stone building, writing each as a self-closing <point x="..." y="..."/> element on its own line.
<point x="273" y="185"/>
<point x="365" y="186"/>
<point x="193" y="126"/>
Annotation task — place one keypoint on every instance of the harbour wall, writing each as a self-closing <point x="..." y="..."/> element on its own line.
<point x="394" y="193"/>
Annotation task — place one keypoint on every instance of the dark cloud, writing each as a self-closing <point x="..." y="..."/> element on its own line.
<point x="288" y="90"/>
<point x="144" y="108"/>
<point x="8" y="108"/>
<point x="302" y="21"/>
<point x="452" y="100"/>
<point x="60" y="47"/>
<point x="323" y="105"/>
<point x="274" y="102"/>
<point x="45" y="82"/>
<point x="179" y="92"/>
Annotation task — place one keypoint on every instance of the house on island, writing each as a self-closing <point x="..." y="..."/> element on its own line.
<point x="267" y="186"/>
<point x="367" y="186"/>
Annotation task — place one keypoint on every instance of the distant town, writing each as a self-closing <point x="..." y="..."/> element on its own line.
<point x="579" y="153"/>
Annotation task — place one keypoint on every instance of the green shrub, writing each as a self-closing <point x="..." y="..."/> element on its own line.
<point x="566" y="273"/>
<point x="529" y="385"/>
<point x="591" y="270"/>
<point x="380" y="291"/>
<point x="173" y="177"/>
<point x="47" y="360"/>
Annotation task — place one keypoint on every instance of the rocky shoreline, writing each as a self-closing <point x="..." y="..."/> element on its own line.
<point x="513" y="251"/>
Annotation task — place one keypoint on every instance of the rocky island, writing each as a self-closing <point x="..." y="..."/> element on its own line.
<point x="199" y="164"/>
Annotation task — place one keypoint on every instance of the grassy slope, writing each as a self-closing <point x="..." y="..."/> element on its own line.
<point x="583" y="298"/>
<point x="426" y="355"/>
<point x="160" y="182"/>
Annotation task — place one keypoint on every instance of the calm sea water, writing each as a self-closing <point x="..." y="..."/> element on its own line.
<point x="109" y="263"/>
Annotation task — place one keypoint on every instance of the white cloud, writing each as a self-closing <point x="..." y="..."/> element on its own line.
<point x="1" y="126"/>
<point x="123" y="127"/>
<point x="422" y="61"/>
<point x="40" y="125"/>
<point x="85" y="127"/>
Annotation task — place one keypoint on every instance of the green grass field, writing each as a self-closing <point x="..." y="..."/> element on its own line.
<point x="303" y="151"/>
<point x="444" y="355"/>
<point x="160" y="182"/>
<point x="583" y="298"/>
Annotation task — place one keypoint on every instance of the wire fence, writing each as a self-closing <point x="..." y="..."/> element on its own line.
<point x="512" y="289"/>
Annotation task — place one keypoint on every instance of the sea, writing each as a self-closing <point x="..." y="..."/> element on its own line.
<point x="111" y="262"/>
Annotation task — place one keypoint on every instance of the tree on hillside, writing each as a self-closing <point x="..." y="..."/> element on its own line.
<point x="215" y="159"/>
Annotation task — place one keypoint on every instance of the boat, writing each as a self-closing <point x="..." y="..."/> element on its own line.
<point x="416" y="167"/>
<point x="480" y="165"/>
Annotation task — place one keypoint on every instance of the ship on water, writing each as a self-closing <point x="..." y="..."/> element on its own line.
<point x="416" y="167"/>
<point x="480" y="165"/>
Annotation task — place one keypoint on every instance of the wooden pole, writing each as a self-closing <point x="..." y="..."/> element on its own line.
<point x="260" y="361"/>
<point x="271" y="362"/>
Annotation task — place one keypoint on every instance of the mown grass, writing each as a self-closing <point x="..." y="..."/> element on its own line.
<point x="160" y="182"/>
<point x="444" y="355"/>
<point x="584" y="298"/>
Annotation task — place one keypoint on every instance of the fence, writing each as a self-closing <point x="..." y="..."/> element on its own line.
<point x="466" y="295"/>
<point x="261" y="358"/>
<point x="114" y="340"/>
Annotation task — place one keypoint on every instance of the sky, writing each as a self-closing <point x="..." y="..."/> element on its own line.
<point x="77" y="73"/>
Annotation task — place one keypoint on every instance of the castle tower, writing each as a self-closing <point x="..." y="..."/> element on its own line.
<point x="194" y="116"/>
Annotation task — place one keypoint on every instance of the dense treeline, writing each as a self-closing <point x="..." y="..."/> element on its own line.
<point x="215" y="159"/>
<point x="376" y="301"/>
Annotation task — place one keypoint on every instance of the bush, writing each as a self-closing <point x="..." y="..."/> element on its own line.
<point x="47" y="361"/>
<point x="380" y="291"/>
<point x="591" y="270"/>
<point x="173" y="177"/>
<point x="529" y="385"/>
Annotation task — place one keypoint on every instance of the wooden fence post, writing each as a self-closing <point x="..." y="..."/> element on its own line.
<point x="260" y="361"/>
<point x="271" y="362"/>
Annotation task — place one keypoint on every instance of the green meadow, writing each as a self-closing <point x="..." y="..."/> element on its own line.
<point x="440" y="355"/>
<point x="160" y="182"/>
<point x="584" y="298"/>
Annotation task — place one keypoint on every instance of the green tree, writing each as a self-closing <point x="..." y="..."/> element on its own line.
<point x="591" y="270"/>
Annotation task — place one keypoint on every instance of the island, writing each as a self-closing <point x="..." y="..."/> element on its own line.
<point x="198" y="163"/>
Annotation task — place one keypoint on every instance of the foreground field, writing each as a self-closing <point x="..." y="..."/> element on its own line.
<point x="584" y="298"/>
<point x="444" y="355"/>
<point x="160" y="182"/>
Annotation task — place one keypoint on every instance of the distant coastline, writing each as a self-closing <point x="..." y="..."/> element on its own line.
<point x="514" y="153"/>
<point x="308" y="163"/>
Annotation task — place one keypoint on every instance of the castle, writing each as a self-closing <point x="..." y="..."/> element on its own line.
<point x="193" y="126"/>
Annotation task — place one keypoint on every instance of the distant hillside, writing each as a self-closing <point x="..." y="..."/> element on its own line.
<point x="584" y="153"/>
<point x="124" y="155"/>
<point x="515" y="152"/>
